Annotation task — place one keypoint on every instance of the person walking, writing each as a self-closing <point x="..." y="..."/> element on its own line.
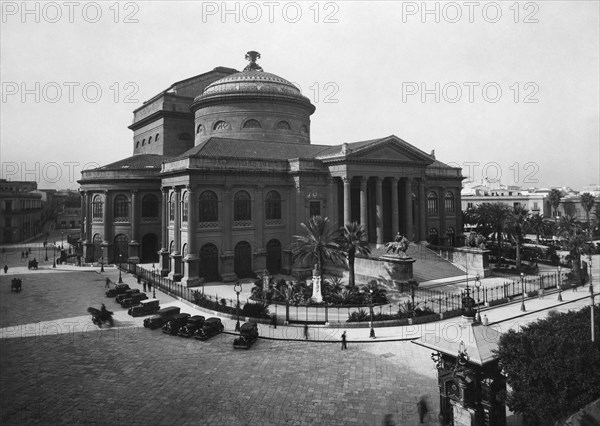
<point x="5" y="269"/>
<point x="306" y="331"/>
<point x="144" y="283"/>
<point x="344" y="343"/>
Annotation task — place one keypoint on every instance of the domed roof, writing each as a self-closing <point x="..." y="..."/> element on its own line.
<point x="252" y="82"/>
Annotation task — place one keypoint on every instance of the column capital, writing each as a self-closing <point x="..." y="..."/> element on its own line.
<point x="135" y="191"/>
<point x="189" y="188"/>
<point x="346" y="179"/>
<point x="164" y="189"/>
<point x="177" y="189"/>
<point x="394" y="179"/>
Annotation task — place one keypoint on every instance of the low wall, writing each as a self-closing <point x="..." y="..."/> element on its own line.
<point x="475" y="260"/>
<point x="383" y="269"/>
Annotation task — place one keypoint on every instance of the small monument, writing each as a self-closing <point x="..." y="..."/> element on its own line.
<point x="398" y="247"/>
<point x="317" y="297"/>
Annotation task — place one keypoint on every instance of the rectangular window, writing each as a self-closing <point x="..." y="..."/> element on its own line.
<point x="315" y="208"/>
<point x="535" y="205"/>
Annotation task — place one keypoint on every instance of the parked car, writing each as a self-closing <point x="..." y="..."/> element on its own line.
<point x="146" y="307"/>
<point x="161" y="317"/>
<point x="135" y="299"/>
<point x="193" y="323"/>
<point x="126" y="295"/>
<point x="119" y="289"/>
<point x="248" y="335"/>
<point x="174" y="324"/>
<point x="212" y="326"/>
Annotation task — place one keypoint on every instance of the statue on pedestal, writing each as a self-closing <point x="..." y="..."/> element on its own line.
<point x="398" y="246"/>
<point x="317" y="297"/>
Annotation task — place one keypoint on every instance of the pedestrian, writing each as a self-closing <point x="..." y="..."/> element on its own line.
<point x="344" y="344"/>
<point x="22" y="255"/>
<point x="485" y="320"/>
<point x="422" y="409"/>
<point x="5" y="269"/>
<point x="306" y="331"/>
<point x="149" y="286"/>
<point x="144" y="283"/>
<point x="107" y="285"/>
<point x="274" y="320"/>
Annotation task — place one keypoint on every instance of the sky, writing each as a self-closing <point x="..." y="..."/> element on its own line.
<point x="509" y="91"/>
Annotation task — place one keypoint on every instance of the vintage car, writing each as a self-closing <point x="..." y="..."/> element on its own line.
<point x="191" y="326"/>
<point x="248" y="335"/>
<point x="146" y="307"/>
<point x="161" y="317"/>
<point x="135" y="299"/>
<point x="212" y="326"/>
<point x="174" y="324"/>
<point x="126" y="295"/>
<point x="119" y="289"/>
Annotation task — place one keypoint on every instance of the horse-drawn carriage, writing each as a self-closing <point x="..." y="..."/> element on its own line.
<point x="32" y="264"/>
<point x="101" y="316"/>
<point x="15" y="285"/>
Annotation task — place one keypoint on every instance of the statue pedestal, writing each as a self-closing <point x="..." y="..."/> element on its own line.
<point x="317" y="297"/>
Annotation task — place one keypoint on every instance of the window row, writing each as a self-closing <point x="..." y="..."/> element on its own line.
<point x="208" y="207"/>
<point x="121" y="205"/>
<point x="156" y="138"/>
<point x="432" y="203"/>
<point x="248" y="124"/>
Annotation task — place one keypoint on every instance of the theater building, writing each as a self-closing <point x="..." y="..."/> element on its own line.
<point x="223" y="172"/>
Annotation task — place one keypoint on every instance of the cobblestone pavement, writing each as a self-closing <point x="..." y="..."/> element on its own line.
<point x="131" y="375"/>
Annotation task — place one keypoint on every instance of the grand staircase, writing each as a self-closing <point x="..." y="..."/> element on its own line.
<point x="429" y="265"/>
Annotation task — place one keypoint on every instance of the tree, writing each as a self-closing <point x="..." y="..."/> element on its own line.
<point x="353" y="241"/>
<point x="515" y="228"/>
<point x="587" y="202"/>
<point x="554" y="196"/>
<point x="319" y="244"/>
<point x="575" y="241"/>
<point x="493" y="217"/>
<point x="550" y="366"/>
<point x="537" y="224"/>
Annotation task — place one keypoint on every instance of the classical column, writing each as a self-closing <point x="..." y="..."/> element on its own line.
<point x="106" y="243"/>
<point x="422" y="212"/>
<point x="134" y="244"/>
<point x="395" y="215"/>
<point x="379" y="210"/>
<point x="227" y="258"/>
<point x="192" y="271"/>
<point x="408" y="217"/>
<point x="332" y="202"/>
<point x="363" y="204"/>
<point x="82" y="236"/>
<point x="175" y="273"/>
<point x="347" y="205"/>
<point x="258" y="215"/>
<point x="442" y="215"/>
<point x="164" y="227"/>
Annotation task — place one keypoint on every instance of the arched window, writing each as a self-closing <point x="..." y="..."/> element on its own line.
<point x="273" y="207"/>
<point x="200" y="129"/>
<point x="184" y="207"/>
<point x="449" y="202"/>
<point x="172" y="207"/>
<point x="156" y="137"/>
<point x="433" y="236"/>
<point x="150" y="206"/>
<point x="121" y="209"/>
<point x="432" y="203"/>
<point x="451" y="234"/>
<point x="252" y="124"/>
<point x="221" y="125"/>
<point x="208" y="210"/>
<point x="283" y="125"/>
<point x="143" y="142"/>
<point x="121" y="248"/>
<point x="242" y="206"/>
<point x="137" y="144"/>
<point x="97" y="209"/>
<point x="149" y="140"/>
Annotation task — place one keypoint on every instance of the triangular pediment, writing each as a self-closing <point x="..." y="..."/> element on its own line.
<point x="389" y="149"/>
<point x="389" y="153"/>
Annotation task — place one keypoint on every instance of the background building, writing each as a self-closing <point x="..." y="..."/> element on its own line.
<point x="224" y="172"/>
<point x="21" y="211"/>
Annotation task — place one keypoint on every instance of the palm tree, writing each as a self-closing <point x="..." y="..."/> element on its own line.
<point x="354" y="241"/>
<point x="493" y="217"/>
<point x="587" y="201"/>
<point x="575" y="241"/>
<point x="319" y="244"/>
<point x="554" y="196"/>
<point x="515" y="227"/>
<point x="537" y="224"/>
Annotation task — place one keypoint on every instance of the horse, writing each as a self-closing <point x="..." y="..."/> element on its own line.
<point x="99" y="317"/>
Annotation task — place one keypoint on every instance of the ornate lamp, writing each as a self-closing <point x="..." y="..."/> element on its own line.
<point x="478" y="285"/>
<point x="238" y="289"/>
<point x="523" y="292"/>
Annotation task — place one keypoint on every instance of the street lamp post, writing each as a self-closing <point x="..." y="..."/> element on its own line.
<point x="153" y="282"/>
<point x="101" y="263"/>
<point x="478" y="285"/>
<point x="523" y="292"/>
<point x="62" y="233"/>
<point x="372" y="332"/>
<point x="54" y="255"/>
<point x="559" y="284"/>
<point x="238" y="289"/>
<point x="46" y="246"/>
<point x="120" y="260"/>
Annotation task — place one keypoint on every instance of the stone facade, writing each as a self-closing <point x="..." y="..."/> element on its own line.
<point x="231" y="196"/>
